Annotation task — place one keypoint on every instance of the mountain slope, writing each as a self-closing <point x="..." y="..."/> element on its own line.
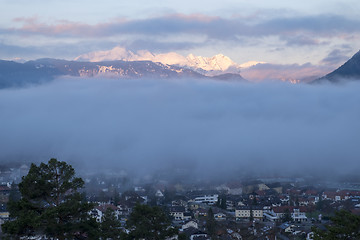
<point x="348" y="71"/>
<point x="14" y="74"/>
<point x="121" y="69"/>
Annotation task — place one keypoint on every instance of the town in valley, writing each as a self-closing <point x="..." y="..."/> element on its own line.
<point x="258" y="207"/>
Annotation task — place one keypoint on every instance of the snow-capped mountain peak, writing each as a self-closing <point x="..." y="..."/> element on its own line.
<point x="117" y="53"/>
<point x="206" y="65"/>
<point x="218" y="62"/>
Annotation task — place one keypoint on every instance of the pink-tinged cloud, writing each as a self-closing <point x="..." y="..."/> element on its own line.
<point x="295" y="31"/>
<point x="292" y="72"/>
<point x="61" y="28"/>
<point x="26" y="19"/>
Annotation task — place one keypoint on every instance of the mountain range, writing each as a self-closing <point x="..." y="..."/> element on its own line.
<point x="219" y="67"/>
<point x="13" y="74"/>
<point x="209" y="66"/>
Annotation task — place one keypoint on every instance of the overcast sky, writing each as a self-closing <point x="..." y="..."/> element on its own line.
<point x="278" y="32"/>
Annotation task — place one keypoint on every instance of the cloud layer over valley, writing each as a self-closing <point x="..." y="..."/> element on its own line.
<point x="203" y="126"/>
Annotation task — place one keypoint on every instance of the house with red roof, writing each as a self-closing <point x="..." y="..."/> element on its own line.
<point x="298" y="214"/>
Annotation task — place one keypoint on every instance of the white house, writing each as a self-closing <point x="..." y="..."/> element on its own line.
<point x="99" y="211"/>
<point x="199" y="234"/>
<point x="190" y="224"/>
<point x="298" y="214"/>
<point x="208" y="199"/>
<point x="159" y="194"/>
<point x="177" y="212"/>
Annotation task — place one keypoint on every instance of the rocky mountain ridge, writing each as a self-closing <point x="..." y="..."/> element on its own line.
<point x="209" y="66"/>
<point x="350" y="70"/>
<point x="13" y="74"/>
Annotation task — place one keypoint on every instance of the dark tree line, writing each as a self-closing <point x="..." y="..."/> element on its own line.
<point x="345" y="225"/>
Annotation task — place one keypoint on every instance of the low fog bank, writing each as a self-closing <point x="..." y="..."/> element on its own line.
<point x="203" y="127"/>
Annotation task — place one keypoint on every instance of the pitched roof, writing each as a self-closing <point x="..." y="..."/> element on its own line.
<point x="248" y="208"/>
<point x="104" y="207"/>
<point x="281" y="209"/>
<point x="284" y="225"/>
<point x="177" y="209"/>
<point x="190" y="231"/>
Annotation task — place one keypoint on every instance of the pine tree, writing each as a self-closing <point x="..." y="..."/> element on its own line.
<point x="50" y="204"/>
<point x="254" y="202"/>
<point x="14" y="194"/>
<point x="221" y="203"/>
<point x="251" y="218"/>
<point x="345" y="225"/>
<point x="287" y="216"/>
<point x="210" y="223"/>
<point x="116" y="197"/>
<point x="110" y="225"/>
<point x="146" y="222"/>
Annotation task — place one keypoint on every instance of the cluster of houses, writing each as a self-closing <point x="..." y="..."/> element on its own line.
<point x="9" y="176"/>
<point x="256" y="208"/>
<point x="255" y="204"/>
<point x="4" y="198"/>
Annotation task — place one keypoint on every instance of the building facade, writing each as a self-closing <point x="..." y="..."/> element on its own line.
<point x="245" y="212"/>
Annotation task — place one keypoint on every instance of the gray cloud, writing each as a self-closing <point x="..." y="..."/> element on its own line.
<point x="67" y="39"/>
<point x="212" y="27"/>
<point x="153" y="45"/>
<point x="203" y="126"/>
<point x="50" y="50"/>
<point x="12" y="51"/>
<point x="325" y="25"/>
<point x="337" y="56"/>
<point x="301" y="40"/>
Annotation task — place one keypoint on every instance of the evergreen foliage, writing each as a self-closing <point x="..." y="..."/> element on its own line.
<point x="50" y="205"/>
<point x="287" y="216"/>
<point x="211" y="223"/>
<point x="149" y="223"/>
<point x="345" y="225"/>
<point x="251" y="218"/>
<point x="254" y="201"/>
<point x="110" y="226"/>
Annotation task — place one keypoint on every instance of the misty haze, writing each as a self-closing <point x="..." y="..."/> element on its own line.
<point x="179" y="120"/>
<point x="208" y="128"/>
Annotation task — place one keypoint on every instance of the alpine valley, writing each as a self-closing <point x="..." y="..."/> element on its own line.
<point x="121" y="63"/>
